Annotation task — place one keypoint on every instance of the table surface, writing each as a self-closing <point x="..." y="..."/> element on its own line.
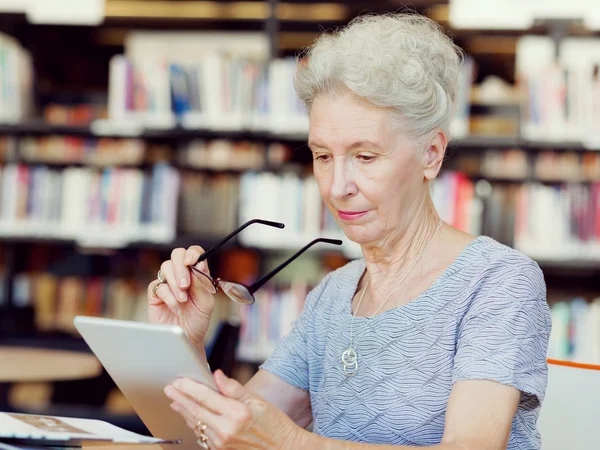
<point x="26" y="364"/>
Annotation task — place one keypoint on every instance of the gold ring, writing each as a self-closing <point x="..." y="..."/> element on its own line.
<point x="159" y="275"/>
<point x="201" y="427"/>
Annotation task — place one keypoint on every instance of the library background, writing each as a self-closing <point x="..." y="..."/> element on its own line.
<point x="131" y="127"/>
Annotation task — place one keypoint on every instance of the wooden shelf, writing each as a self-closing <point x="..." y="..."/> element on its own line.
<point x="39" y="128"/>
<point x="471" y="143"/>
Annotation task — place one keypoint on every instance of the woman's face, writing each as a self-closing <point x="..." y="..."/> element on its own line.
<point x="371" y="177"/>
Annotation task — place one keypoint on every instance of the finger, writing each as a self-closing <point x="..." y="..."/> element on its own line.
<point x="192" y="411"/>
<point x="169" y="274"/>
<point x="152" y="298"/>
<point x="214" y="441"/>
<point x="192" y="420"/>
<point x="164" y="295"/>
<point x="205" y="396"/>
<point x="180" y="271"/>
<point x="229" y="387"/>
<point x="191" y="257"/>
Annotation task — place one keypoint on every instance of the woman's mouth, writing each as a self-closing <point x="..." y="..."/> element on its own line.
<point x="351" y="215"/>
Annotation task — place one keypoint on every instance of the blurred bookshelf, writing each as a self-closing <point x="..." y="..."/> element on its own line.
<point x="187" y="107"/>
<point x="297" y="140"/>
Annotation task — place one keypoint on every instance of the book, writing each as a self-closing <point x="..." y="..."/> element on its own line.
<point x="46" y="431"/>
<point x="16" y="81"/>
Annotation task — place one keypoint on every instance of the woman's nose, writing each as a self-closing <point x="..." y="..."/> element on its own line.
<point x="343" y="184"/>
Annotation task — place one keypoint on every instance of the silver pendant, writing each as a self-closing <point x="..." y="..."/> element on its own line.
<point x="350" y="361"/>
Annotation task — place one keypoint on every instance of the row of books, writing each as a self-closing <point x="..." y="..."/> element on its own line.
<point x="115" y="206"/>
<point x="239" y="155"/>
<point x="81" y="114"/>
<point x="212" y="154"/>
<point x="561" y="95"/>
<point x="222" y="154"/>
<point x="55" y="285"/>
<point x="575" y="332"/>
<point x="567" y="166"/>
<point x="57" y="300"/>
<point x="547" y="222"/>
<point x="546" y="166"/>
<point x="167" y="78"/>
<point x="77" y="150"/>
<point x="558" y="222"/>
<point x="229" y="155"/>
<point x="109" y="207"/>
<point x="220" y="81"/>
<point x="16" y="80"/>
<point x="217" y="91"/>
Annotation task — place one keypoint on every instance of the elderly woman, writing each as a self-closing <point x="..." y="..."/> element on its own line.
<point x="435" y="338"/>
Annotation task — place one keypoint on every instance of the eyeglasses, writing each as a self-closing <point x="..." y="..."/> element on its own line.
<point x="241" y="293"/>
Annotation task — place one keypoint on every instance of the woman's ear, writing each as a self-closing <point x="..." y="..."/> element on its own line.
<point x="434" y="155"/>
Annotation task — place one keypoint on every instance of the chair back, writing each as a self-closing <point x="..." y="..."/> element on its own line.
<point x="569" y="417"/>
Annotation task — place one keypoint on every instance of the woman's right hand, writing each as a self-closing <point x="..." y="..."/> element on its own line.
<point x="184" y="299"/>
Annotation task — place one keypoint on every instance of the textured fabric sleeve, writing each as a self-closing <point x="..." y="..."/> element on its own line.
<point x="504" y="334"/>
<point x="289" y="361"/>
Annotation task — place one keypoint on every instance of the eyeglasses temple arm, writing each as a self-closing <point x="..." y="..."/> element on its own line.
<point x="259" y="283"/>
<point x="206" y="254"/>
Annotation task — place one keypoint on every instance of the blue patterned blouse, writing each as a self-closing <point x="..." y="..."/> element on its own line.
<point x="485" y="317"/>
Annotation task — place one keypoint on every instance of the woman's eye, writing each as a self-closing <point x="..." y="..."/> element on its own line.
<point x="366" y="158"/>
<point x="322" y="158"/>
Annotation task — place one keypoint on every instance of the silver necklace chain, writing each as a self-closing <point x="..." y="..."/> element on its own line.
<point x="350" y="356"/>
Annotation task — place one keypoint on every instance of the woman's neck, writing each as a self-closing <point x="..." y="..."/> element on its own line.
<point x="395" y="256"/>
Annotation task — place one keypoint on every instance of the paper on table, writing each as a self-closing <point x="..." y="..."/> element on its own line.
<point x="53" y="428"/>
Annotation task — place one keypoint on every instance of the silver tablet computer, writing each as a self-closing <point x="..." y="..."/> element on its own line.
<point x="142" y="359"/>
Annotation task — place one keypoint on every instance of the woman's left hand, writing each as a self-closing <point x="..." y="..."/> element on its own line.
<point x="235" y="418"/>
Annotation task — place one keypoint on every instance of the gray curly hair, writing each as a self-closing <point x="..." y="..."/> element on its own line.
<point x="401" y="61"/>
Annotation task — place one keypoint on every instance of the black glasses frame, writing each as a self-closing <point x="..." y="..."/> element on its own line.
<point x="240" y="292"/>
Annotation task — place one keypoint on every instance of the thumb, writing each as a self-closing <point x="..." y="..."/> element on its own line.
<point x="229" y="387"/>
